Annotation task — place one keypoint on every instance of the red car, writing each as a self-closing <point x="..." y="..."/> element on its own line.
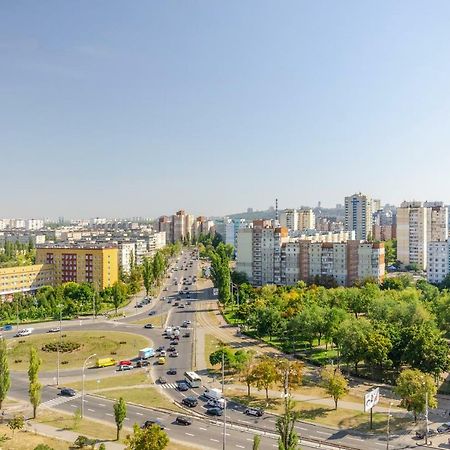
<point x="125" y="362"/>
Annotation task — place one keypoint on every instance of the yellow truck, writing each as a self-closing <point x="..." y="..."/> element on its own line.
<point x="106" y="362"/>
<point x="161" y="360"/>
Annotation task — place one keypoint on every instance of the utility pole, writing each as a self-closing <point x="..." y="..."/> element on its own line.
<point x="59" y="344"/>
<point x="224" y="437"/>
<point x="426" y="416"/>
<point x="82" y="383"/>
<point x="388" y="430"/>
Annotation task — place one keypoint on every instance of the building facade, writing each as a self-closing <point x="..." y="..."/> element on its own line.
<point x="358" y="215"/>
<point x="97" y="265"/>
<point x="438" y="266"/>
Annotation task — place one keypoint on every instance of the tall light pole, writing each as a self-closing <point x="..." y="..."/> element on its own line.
<point x="426" y="416"/>
<point x="224" y="436"/>
<point x="17" y="314"/>
<point x="388" y="431"/>
<point x="59" y="344"/>
<point x="82" y="383"/>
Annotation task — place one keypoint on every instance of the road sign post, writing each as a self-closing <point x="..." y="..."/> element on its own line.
<point x="370" y="400"/>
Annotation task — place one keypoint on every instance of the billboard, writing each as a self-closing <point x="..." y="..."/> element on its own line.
<point x="371" y="399"/>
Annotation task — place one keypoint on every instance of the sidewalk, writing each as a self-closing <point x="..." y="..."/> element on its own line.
<point x="66" y="435"/>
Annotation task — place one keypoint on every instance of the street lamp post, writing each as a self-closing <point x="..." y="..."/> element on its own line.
<point x="224" y="436"/>
<point x="17" y="314"/>
<point x="82" y="383"/>
<point x="59" y="344"/>
<point x="388" y="431"/>
<point x="426" y="417"/>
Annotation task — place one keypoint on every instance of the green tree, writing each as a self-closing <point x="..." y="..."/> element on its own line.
<point x="266" y="374"/>
<point x="228" y="357"/>
<point x="151" y="438"/>
<point x="159" y="266"/>
<point x="246" y="370"/>
<point x="256" y="442"/>
<point x="285" y="426"/>
<point x="118" y="294"/>
<point x="147" y="274"/>
<point x="16" y="423"/>
<point x="120" y="412"/>
<point x="102" y="446"/>
<point x="334" y="383"/>
<point x="5" y="380"/>
<point x="34" y="389"/>
<point x="290" y="374"/>
<point x="413" y="387"/>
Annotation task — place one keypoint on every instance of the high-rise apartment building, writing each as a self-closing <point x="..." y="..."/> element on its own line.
<point x="438" y="266"/>
<point x="97" y="265"/>
<point x="306" y="219"/>
<point x="417" y="225"/>
<point x="179" y="227"/>
<point x="289" y="219"/>
<point x="358" y="215"/>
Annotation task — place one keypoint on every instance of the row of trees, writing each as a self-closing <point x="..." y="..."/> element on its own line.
<point x="385" y="327"/>
<point x="17" y="254"/>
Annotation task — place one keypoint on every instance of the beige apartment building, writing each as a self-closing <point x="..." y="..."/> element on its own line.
<point x="418" y="224"/>
<point x="306" y="219"/>
<point x="289" y="219"/>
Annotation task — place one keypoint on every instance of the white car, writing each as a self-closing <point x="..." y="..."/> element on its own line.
<point x="54" y="330"/>
<point x="24" y="332"/>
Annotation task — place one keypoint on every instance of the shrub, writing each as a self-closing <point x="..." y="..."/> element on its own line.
<point x="64" y="347"/>
<point x="84" y="441"/>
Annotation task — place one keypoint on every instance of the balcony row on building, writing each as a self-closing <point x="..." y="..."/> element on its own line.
<point x="268" y="255"/>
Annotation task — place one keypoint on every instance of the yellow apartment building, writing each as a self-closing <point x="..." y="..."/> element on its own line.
<point x="97" y="265"/>
<point x="25" y="279"/>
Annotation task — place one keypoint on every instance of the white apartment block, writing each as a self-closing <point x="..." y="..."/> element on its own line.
<point x="226" y="229"/>
<point x="358" y="215"/>
<point x="127" y="256"/>
<point x="34" y="224"/>
<point x="417" y="225"/>
<point x="156" y="241"/>
<point x="244" y="247"/>
<point x="438" y="261"/>
<point x="289" y="219"/>
<point x="306" y="219"/>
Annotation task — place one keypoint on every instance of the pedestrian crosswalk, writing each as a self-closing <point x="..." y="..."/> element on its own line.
<point x="59" y="400"/>
<point x="168" y="386"/>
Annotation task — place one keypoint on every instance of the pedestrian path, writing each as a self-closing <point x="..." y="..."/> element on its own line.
<point x="59" y="401"/>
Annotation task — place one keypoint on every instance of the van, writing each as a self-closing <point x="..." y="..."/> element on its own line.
<point x="213" y="394"/>
<point x="24" y="332"/>
<point x="105" y="362"/>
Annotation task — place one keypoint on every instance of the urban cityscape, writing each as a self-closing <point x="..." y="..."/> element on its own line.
<point x="224" y="225"/>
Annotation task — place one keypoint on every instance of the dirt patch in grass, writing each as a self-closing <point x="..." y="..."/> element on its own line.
<point x="150" y="396"/>
<point x="117" y="345"/>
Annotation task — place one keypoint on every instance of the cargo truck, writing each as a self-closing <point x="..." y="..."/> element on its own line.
<point x="146" y="353"/>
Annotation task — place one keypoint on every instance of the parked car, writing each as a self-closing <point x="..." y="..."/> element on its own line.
<point x="421" y="434"/>
<point x="142" y="363"/>
<point x="68" y="392"/>
<point x="148" y="325"/>
<point x="444" y="427"/>
<point x="187" y="334"/>
<point x="191" y="402"/>
<point x="152" y="313"/>
<point x="254" y="412"/>
<point x="24" y="332"/>
<point x="126" y="367"/>
<point x="183" y="420"/>
<point x="214" y="411"/>
<point x="216" y="403"/>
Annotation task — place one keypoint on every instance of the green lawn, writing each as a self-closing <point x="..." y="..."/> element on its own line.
<point x="139" y="376"/>
<point x="151" y="396"/>
<point x="105" y="344"/>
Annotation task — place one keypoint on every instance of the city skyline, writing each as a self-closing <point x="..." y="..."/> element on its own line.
<point x="157" y="107"/>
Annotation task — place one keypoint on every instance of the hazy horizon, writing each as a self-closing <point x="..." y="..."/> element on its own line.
<point x="115" y="111"/>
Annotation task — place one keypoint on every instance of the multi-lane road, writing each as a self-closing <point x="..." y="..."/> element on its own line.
<point x="205" y="431"/>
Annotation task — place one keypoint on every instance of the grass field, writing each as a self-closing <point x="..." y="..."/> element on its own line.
<point x="26" y="440"/>
<point x="104" y="343"/>
<point x="151" y="396"/>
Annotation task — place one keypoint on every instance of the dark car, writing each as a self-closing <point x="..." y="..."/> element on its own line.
<point x="152" y="313"/>
<point x="187" y="334"/>
<point x="161" y="380"/>
<point x="183" y="420"/>
<point x="148" y="325"/>
<point x="174" y="343"/>
<point x="67" y="392"/>
<point x="444" y="428"/>
<point x="192" y="402"/>
<point x="150" y="422"/>
<point x="214" y="411"/>
<point x="254" y="412"/>
<point x="161" y="347"/>
<point x="171" y="349"/>
<point x="421" y="434"/>
<point x="172" y="371"/>
<point x="182" y="387"/>
<point x="142" y="363"/>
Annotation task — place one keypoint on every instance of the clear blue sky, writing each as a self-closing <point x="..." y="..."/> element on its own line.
<point x="112" y="108"/>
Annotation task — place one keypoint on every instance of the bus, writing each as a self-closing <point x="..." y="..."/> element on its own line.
<point x="193" y="379"/>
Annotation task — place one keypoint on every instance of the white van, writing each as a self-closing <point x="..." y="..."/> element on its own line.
<point x="213" y="394"/>
<point x="24" y="332"/>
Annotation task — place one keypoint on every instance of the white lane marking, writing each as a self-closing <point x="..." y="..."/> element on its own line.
<point x="127" y="418"/>
<point x="91" y="410"/>
<point x="302" y="428"/>
<point x="168" y="429"/>
<point x="139" y="414"/>
<point x="322" y="432"/>
<point x="355" y="438"/>
<point x="216" y="440"/>
<point x="204" y="429"/>
<point x="240" y="446"/>
<point x="101" y="404"/>
<point x="108" y="414"/>
<point x="73" y="406"/>
<point x="190" y="434"/>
